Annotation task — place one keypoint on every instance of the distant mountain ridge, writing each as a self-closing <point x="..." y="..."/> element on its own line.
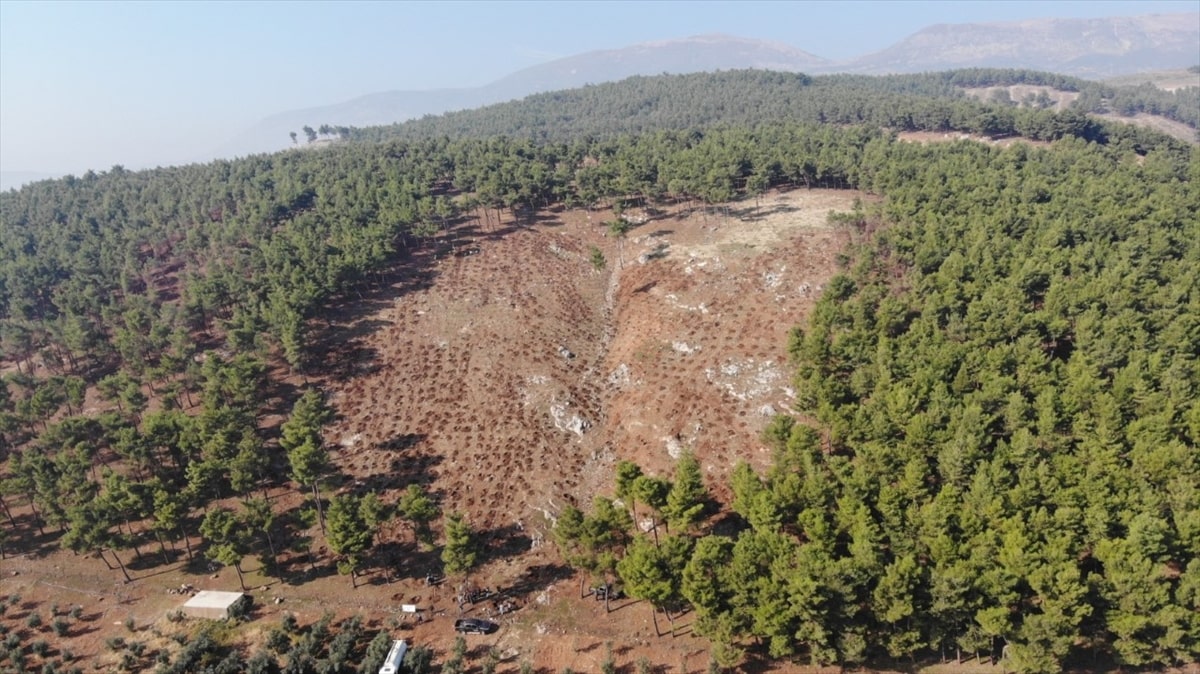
<point x="1083" y="47"/>
<point x="692" y="54"/>
<point x="688" y="55"/>
<point x="1089" y="48"/>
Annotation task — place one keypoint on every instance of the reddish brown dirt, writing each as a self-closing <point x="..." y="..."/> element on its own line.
<point x="510" y="380"/>
<point x="678" y="342"/>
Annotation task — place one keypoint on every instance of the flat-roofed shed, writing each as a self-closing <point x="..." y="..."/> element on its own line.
<point x="214" y="604"/>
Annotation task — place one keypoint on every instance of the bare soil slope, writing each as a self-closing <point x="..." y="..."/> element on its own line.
<point x="515" y="381"/>
<point x="509" y="378"/>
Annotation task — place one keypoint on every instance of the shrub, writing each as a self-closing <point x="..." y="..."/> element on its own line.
<point x="377" y="651"/>
<point x="419" y="660"/>
<point x="278" y="640"/>
<point x="40" y="648"/>
<point x="59" y="627"/>
<point x="76" y="612"/>
<point x="490" y="661"/>
<point x="262" y="663"/>
<point x="34" y="621"/>
<point x="320" y="629"/>
<point x="114" y="643"/>
<point x="232" y="664"/>
<point x="608" y="665"/>
<point x="288" y="624"/>
<point x="240" y="609"/>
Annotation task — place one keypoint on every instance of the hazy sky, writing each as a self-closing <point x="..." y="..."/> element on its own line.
<point x="93" y="84"/>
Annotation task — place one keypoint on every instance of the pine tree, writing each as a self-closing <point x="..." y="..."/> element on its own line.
<point x="460" y="553"/>
<point x="226" y="538"/>
<point x="416" y="507"/>
<point x="349" y="534"/>
<point x="688" y="498"/>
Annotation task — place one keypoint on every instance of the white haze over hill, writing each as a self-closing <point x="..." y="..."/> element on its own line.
<point x="93" y="85"/>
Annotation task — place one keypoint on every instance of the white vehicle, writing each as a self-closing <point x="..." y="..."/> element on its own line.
<point x="395" y="657"/>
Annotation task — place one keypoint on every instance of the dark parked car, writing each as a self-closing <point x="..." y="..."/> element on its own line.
<point x="475" y="626"/>
<point x="607" y="591"/>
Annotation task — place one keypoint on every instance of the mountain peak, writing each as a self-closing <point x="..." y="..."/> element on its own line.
<point x="696" y="53"/>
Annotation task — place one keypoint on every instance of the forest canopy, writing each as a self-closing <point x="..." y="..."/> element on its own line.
<point x="1001" y="388"/>
<point x="921" y="102"/>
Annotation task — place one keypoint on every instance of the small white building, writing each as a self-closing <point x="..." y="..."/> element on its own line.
<point x="214" y="605"/>
<point x="395" y="658"/>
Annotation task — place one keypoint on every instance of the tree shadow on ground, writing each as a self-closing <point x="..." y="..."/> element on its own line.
<point x="493" y="234"/>
<point x="727" y="524"/>
<point x="615" y="605"/>
<point x="750" y="212"/>
<point x="354" y="359"/>
<point x="406" y="464"/>
<point x="278" y="396"/>
<point x="200" y="565"/>
<point x="320" y="567"/>
<point x="335" y="339"/>
<point x="401" y="442"/>
<point x="502" y="543"/>
<point x="545" y="217"/>
<point x="589" y="648"/>
<point x="538" y="577"/>
<point x="410" y="468"/>
<point x="77" y="630"/>
<point x="153" y="559"/>
<point x="27" y="540"/>
<point x="161" y="570"/>
<point x="400" y="560"/>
